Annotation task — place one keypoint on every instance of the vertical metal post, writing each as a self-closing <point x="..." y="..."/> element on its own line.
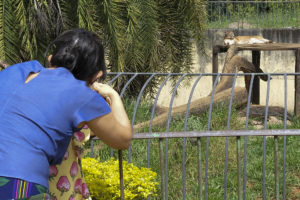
<point x="276" y="167"/>
<point x="226" y="143"/>
<point x="297" y="83"/>
<point x="121" y="95"/>
<point x="256" y="90"/>
<point x="183" y="168"/>
<point x="284" y="139"/>
<point x="166" y="168"/>
<point x="161" y="153"/>
<point x="167" y="130"/>
<point x="206" y="169"/>
<point x="207" y="140"/>
<point x="226" y="10"/>
<point x="281" y="14"/>
<point x="257" y="14"/>
<point x="265" y="140"/>
<point x="297" y="20"/>
<point x="199" y="168"/>
<point x="136" y="107"/>
<point x="92" y="149"/>
<point x="220" y="7"/>
<point x="109" y="83"/>
<point x="238" y="15"/>
<point x="198" y="148"/>
<point x="239" y="174"/>
<point x="121" y="175"/>
<point x="162" y="167"/>
<point x="246" y="141"/>
<point x="276" y="15"/>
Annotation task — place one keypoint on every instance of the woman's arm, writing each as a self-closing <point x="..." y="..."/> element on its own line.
<point x="114" y="129"/>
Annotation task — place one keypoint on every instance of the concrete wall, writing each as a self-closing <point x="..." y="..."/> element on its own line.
<point x="271" y="62"/>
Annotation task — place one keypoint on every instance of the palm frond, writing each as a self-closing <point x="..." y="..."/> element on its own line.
<point x="9" y="41"/>
<point x="132" y="52"/>
<point x="33" y="28"/>
<point x="175" y="39"/>
<point x="141" y="35"/>
<point x="195" y="19"/>
<point x="87" y="13"/>
<point x="66" y="10"/>
<point x="112" y="18"/>
<point x="149" y="31"/>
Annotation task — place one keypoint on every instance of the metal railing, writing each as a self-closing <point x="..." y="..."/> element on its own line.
<point x="239" y="188"/>
<point x="253" y="14"/>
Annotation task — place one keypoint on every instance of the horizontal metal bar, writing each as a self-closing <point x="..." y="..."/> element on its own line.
<point x="224" y="133"/>
<point x="203" y="74"/>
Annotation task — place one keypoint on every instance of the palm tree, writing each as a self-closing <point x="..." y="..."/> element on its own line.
<point x="139" y="36"/>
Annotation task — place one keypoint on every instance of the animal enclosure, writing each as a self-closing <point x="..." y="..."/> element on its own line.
<point x="219" y="146"/>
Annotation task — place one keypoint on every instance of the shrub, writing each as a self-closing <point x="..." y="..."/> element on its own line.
<point x="103" y="180"/>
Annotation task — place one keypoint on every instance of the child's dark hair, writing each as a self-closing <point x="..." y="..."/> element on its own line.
<point x="80" y="51"/>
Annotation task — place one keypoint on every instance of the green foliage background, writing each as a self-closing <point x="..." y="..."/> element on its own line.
<point x="143" y="36"/>
<point x="139" y="36"/>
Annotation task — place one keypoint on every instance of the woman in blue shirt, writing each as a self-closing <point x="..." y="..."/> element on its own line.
<point x="41" y="108"/>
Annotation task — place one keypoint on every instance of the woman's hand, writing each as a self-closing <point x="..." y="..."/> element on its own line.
<point x="114" y="128"/>
<point x="105" y="91"/>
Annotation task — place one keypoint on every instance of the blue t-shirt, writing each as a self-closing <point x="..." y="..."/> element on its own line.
<point x="37" y="119"/>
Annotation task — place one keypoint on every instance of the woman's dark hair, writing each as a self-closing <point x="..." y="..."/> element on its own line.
<point x="80" y="51"/>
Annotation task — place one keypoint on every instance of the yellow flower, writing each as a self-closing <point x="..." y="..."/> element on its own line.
<point x="103" y="179"/>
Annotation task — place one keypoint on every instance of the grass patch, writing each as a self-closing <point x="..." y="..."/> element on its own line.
<point x="281" y="17"/>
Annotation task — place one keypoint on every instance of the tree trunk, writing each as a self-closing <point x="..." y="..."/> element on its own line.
<point x="199" y="106"/>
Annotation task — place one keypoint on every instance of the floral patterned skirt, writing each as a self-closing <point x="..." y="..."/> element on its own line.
<point x="66" y="180"/>
<point x="12" y="188"/>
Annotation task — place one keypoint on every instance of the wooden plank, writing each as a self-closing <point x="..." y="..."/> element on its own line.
<point x="256" y="88"/>
<point x="264" y="47"/>
<point x="215" y="62"/>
